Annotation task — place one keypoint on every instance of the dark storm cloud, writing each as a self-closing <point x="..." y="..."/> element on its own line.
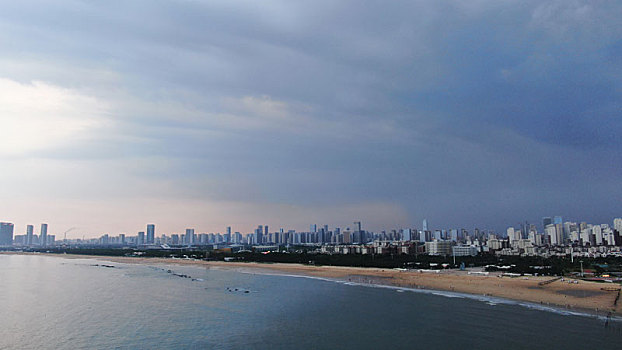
<point x="468" y="113"/>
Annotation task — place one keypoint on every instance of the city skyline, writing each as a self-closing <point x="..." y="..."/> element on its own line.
<point x="557" y="238"/>
<point x="149" y="232"/>
<point x="215" y="114"/>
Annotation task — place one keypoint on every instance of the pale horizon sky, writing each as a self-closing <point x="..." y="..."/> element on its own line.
<point x="209" y="114"/>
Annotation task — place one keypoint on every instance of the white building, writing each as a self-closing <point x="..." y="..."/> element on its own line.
<point x="189" y="236"/>
<point x="438" y="247"/>
<point x="598" y="234"/>
<point x="551" y="234"/>
<point x="464" y="250"/>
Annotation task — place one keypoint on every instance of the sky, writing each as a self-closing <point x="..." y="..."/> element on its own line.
<point x="207" y="114"/>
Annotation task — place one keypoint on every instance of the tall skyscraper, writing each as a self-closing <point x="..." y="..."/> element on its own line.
<point x="189" y="236"/>
<point x="29" y="232"/>
<point x="258" y="235"/>
<point x="357" y="235"/>
<point x="140" y="239"/>
<point x="557" y="220"/>
<point x="150" y="234"/>
<point x="425" y="225"/>
<point x="6" y="233"/>
<point x="546" y="221"/>
<point x="313" y="228"/>
<point x="43" y="238"/>
<point x="228" y="237"/>
<point x="406" y="234"/>
<point x="553" y="237"/>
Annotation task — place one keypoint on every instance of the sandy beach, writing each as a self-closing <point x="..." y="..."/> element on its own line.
<point x="567" y="293"/>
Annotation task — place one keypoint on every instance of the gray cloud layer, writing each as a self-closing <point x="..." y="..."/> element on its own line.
<point x="467" y="113"/>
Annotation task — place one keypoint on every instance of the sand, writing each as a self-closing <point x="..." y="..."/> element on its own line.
<point x="582" y="296"/>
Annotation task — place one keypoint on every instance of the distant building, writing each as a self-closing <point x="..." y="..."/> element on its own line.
<point x="547" y="220"/>
<point x="464" y="250"/>
<point x="29" y="233"/>
<point x="551" y="234"/>
<point x="189" y="236"/>
<point x="598" y="234"/>
<point x="586" y="236"/>
<point x="347" y="237"/>
<point x="513" y="235"/>
<point x="141" y="238"/>
<point x="6" y="233"/>
<point x="150" y="234"/>
<point x="406" y="235"/>
<point x="495" y="244"/>
<point x="43" y="238"/>
<point x="258" y="236"/>
<point x="438" y="247"/>
<point x="453" y="233"/>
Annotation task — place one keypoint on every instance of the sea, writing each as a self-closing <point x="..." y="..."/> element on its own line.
<point x="61" y="303"/>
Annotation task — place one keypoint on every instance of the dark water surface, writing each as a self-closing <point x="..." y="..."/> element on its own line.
<point x="57" y="303"/>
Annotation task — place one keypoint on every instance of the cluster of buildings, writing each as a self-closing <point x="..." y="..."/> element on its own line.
<point x="556" y="238"/>
<point x="29" y="239"/>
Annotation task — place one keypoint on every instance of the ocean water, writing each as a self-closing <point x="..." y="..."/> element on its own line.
<point x="57" y="303"/>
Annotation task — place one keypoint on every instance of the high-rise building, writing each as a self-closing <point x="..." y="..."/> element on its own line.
<point x="425" y="225"/>
<point x="586" y="236"/>
<point x="551" y="234"/>
<point x="30" y="229"/>
<point x="43" y="237"/>
<point x="513" y="235"/>
<point x="237" y="238"/>
<point x="313" y="228"/>
<point x="358" y="235"/>
<point x="546" y="221"/>
<point x="258" y="237"/>
<point x="6" y="233"/>
<point x="140" y="239"/>
<point x="559" y="231"/>
<point x="453" y="235"/>
<point x="598" y="234"/>
<point x="189" y="236"/>
<point x="406" y="235"/>
<point x="150" y="234"/>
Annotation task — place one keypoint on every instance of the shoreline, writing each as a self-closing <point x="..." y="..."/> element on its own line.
<point x="562" y="294"/>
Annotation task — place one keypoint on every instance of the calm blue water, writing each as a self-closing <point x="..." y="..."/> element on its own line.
<point x="56" y="303"/>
